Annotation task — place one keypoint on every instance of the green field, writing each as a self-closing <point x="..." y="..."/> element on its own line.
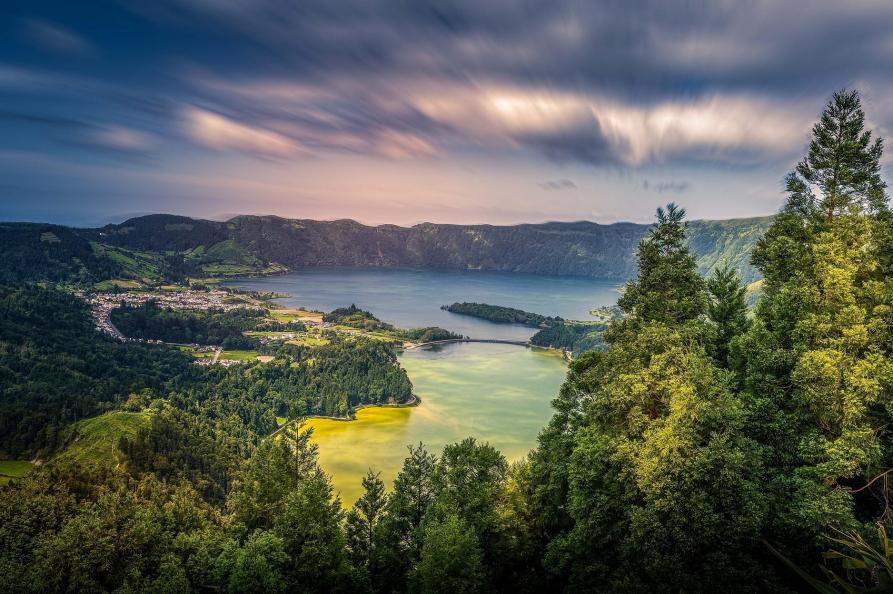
<point x="292" y="315"/>
<point x="236" y="355"/>
<point x="134" y="264"/>
<point x="310" y="341"/>
<point x="117" y="283"/>
<point x="269" y="333"/>
<point x="94" y="442"/>
<point x="10" y="469"/>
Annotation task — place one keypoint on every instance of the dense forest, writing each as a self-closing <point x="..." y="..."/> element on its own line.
<point x="208" y="327"/>
<point x="499" y="314"/>
<point x="577" y="337"/>
<point x="56" y="369"/>
<point x="702" y="449"/>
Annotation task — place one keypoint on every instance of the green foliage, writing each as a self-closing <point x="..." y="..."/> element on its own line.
<point x="577" y="249"/>
<point x="816" y="361"/>
<point x="401" y="530"/>
<point x="258" y="566"/>
<point x="31" y="252"/>
<point x="176" y="445"/>
<point x="142" y="266"/>
<point x="309" y="525"/>
<point x="842" y="161"/>
<point x="93" y="442"/>
<point x="690" y="439"/>
<point x="354" y="317"/>
<point x="276" y="469"/>
<point x="450" y="560"/>
<point x="647" y="448"/>
<point x="56" y="369"/>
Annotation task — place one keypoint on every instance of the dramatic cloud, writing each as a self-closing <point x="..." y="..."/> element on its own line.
<point x="415" y="117"/>
<point x="648" y="89"/>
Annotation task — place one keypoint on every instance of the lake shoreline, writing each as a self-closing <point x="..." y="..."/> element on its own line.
<point x="416" y="401"/>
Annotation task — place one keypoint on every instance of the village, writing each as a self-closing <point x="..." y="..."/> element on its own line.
<point x="102" y="305"/>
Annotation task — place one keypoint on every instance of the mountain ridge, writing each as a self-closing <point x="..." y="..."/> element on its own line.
<point x="247" y="244"/>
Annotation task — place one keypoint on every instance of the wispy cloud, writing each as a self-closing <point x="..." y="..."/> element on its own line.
<point x="56" y="38"/>
<point x="217" y="132"/>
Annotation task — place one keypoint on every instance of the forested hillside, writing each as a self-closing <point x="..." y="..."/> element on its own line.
<point x="55" y="369"/>
<point x="158" y="248"/>
<point x="580" y="249"/>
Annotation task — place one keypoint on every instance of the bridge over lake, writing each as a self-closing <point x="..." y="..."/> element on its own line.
<point x="450" y="340"/>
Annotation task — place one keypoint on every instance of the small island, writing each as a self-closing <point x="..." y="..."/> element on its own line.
<point x="500" y="314"/>
<point x="553" y="332"/>
<point x="354" y="317"/>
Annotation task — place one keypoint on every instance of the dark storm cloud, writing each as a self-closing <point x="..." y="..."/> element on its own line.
<point x="605" y="82"/>
<point x="627" y="47"/>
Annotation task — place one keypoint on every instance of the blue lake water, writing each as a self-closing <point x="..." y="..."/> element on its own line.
<point x="412" y="298"/>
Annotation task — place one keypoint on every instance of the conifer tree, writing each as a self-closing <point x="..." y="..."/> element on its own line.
<point x="364" y="518"/>
<point x="727" y="309"/>
<point x="843" y="162"/>
<point x="402" y="528"/>
<point x="668" y="289"/>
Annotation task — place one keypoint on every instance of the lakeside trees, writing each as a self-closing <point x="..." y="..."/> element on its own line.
<point x="702" y="425"/>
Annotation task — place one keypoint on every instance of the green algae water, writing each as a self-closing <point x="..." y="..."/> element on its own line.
<point x="496" y="393"/>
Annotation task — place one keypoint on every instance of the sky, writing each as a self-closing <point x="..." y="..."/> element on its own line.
<point x="401" y="111"/>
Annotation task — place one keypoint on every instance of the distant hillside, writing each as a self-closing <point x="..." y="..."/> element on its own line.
<point x="165" y="246"/>
<point x="577" y="249"/>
